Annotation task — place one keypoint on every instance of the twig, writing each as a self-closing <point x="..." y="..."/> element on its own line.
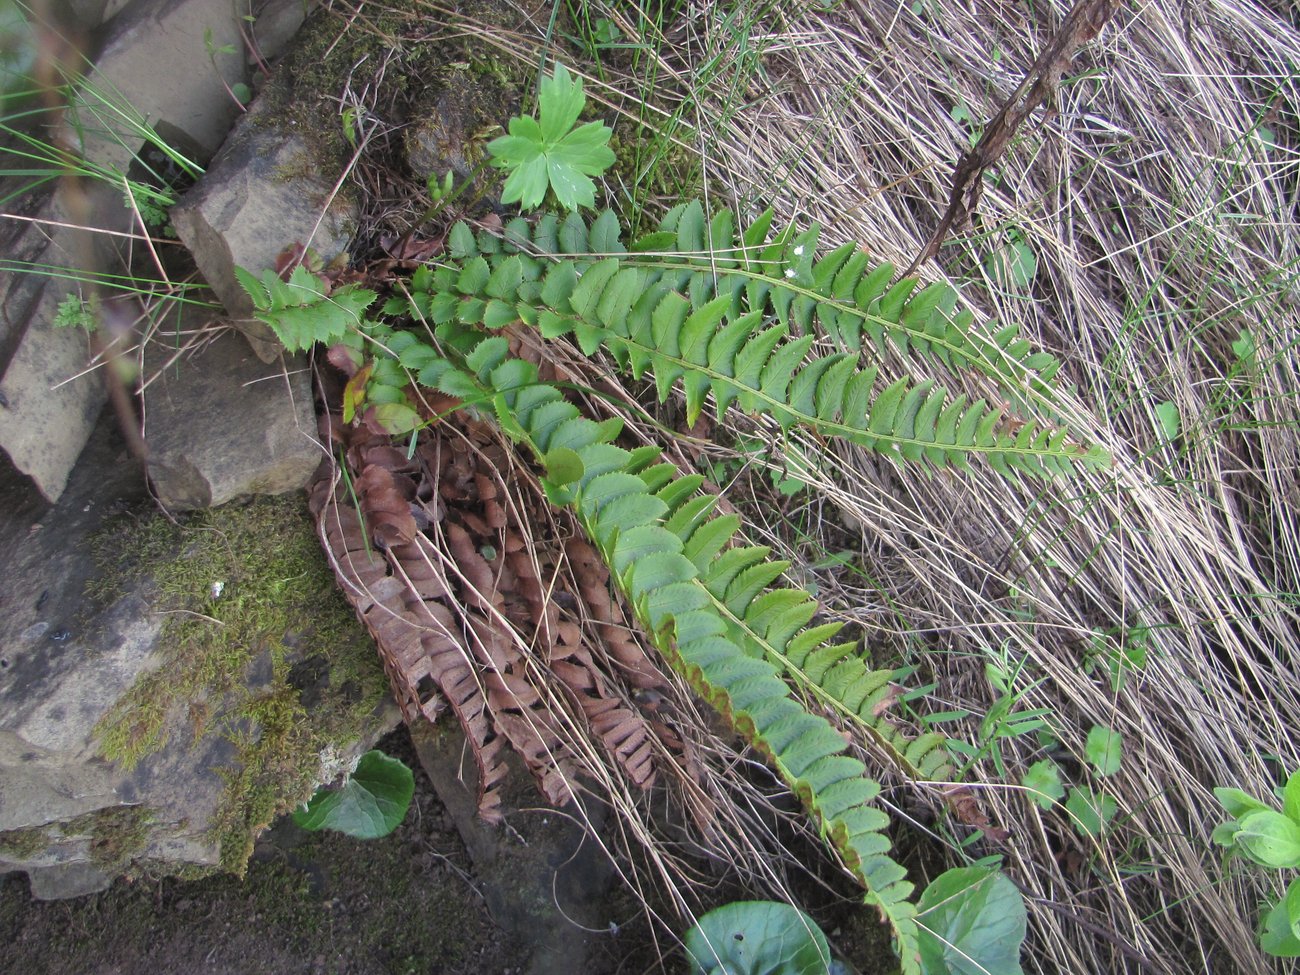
<point x="1084" y="22"/>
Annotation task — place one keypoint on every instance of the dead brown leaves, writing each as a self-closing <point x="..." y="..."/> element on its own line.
<point x="483" y="603"/>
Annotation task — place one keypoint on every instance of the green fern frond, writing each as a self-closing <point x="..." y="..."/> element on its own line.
<point x="733" y="318"/>
<point x="707" y="605"/>
<point x="301" y="310"/>
<point x="754" y="320"/>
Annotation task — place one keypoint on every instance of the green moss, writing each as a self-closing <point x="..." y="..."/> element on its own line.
<point x="116" y="833"/>
<point x="416" y="52"/>
<point x="24" y="844"/>
<point x="259" y="648"/>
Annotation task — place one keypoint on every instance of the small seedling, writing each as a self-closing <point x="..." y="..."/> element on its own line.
<point x="74" y="312"/>
<point x="549" y="151"/>
<point x="1043" y="783"/>
<point x="1171" y="423"/>
<point x="1120" y="656"/>
<point x="1270" y="838"/>
<point x="1104" y="749"/>
<point x="1091" y="811"/>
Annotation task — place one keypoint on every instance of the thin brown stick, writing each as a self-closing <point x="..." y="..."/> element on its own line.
<point x="1082" y="24"/>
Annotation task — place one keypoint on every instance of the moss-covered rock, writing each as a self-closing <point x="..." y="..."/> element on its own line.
<point x="260" y="655"/>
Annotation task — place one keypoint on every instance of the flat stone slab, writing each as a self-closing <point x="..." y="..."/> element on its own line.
<point x="78" y="636"/>
<point x="48" y="401"/>
<point x="162" y="61"/>
<point x="222" y="424"/>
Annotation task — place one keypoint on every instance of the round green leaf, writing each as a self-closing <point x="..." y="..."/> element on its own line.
<point x="1104" y="749"/>
<point x="757" y="938"/>
<point x="371" y="802"/>
<point x="1091" y="812"/>
<point x="1236" y="802"/>
<point x="1170" y="420"/>
<point x="972" y="922"/>
<point x="1269" y="838"/>
<point x="396" y="418"/>
<point x="563" y="466"/>
<point x="1291" y="902"/>
<point x="1277" y="937"/>
<point x="1042" y="781"/>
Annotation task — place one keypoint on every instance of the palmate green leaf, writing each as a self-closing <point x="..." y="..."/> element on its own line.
<point x="371" y="803"/>
<point x="559" y="103"/>
<point x="548" y="151"/>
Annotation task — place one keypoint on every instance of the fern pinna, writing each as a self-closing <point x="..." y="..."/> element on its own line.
<point x="757" y="322"/>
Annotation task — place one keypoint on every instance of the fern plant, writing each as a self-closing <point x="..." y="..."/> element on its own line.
<point x="755" y="321"/>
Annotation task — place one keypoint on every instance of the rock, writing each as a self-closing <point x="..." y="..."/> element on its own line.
<point x="85" y="15"/>
<point x="48" y="398"/>
<point x="223" y="424"/>
<point x="23" y="241"/>
<point x="540" y="873"/>
<point x="89" y="644"/>
<point x="274" y="26"/>
<point x="47" y="406"/>
<point x="181" y="41"/>
<point x="73" y="879"/>
<point x="447" y="119"/>
<point x="263" y="193"/>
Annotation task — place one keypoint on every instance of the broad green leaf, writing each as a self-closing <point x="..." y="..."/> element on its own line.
<point x="1014" y="265"/>
<point x="1277" y="937"/>
<point x="371" y="803"/>
<point x="1244" y="346"/>
<point x="572" y="189"/>
<point x="1238" y="803"/>
<point x="1104" y="749"/>
<point x="460" y="244"/>
<point x="526" y="185"/>
<point x="1291" y="797"/>
<point x="559" y="103"/>
<point x="972" y="922"/>
<point x="757" y="938"/>
<point x="1291" y="900"/>
<point x="1269" y="838"/>
<point x="550" y="152"/>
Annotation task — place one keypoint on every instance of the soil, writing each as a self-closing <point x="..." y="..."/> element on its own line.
<point x="311" y="903"/>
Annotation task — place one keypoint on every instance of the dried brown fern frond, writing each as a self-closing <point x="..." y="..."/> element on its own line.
<point x="486" y="603"/>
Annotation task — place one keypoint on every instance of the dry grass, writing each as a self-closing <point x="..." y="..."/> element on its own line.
<point x="1159" y="200"/>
